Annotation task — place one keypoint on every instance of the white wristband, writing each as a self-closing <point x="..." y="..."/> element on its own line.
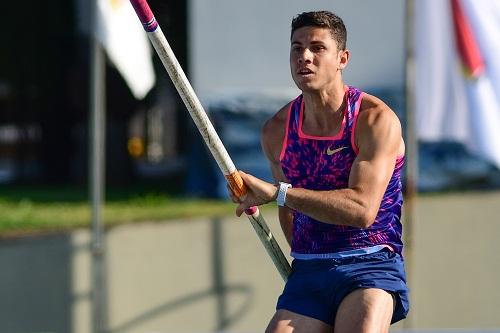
<point x="280" y="199"/>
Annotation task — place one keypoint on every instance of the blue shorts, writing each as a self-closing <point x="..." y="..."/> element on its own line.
<point x="316" y="287"/>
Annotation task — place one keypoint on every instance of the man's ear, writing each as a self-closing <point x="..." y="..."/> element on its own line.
<point x="344" y="59"/>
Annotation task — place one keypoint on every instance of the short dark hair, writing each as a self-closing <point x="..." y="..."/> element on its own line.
<point x="323" y="19"/>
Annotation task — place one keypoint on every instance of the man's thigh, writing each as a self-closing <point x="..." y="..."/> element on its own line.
<point x="365" y="310"/>
<point x="285" y="321"/>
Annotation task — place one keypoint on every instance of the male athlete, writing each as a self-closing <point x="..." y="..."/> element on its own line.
<point x="337" y="153"/>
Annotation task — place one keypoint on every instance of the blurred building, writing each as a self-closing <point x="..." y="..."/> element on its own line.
<point x="231" y="51"/>
<point x="44" y="97"/>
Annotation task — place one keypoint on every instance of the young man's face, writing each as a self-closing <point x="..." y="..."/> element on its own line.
<point x="315" y="62"/>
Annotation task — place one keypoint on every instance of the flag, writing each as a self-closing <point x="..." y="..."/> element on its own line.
<point x="457" y="78"/>
<point x="126" y="44"/>
<point x="465" y="41"/>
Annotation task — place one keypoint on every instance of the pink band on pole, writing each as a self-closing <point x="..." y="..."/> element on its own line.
<point x="251" y="210"/>
<point x="145" y="15"/>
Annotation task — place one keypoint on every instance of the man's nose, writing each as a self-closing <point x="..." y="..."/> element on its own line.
<point x="306" y="56"/>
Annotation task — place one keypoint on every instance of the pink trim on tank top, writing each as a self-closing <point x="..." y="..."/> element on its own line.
<point x="399" y="160"/>
<point x="285" y="139"/>
<point x="337" y="136"/>
<point x="355" y="123"/>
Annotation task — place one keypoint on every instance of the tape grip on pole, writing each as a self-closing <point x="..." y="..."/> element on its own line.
<point x="145" y="15"/>
<point x="238" y="187"/>
<point x="236" y="184"/>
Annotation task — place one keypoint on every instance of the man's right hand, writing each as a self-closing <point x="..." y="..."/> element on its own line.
<point x="259" y="192"/>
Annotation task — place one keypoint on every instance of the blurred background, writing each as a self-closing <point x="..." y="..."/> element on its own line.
<point x="152" y="245"/>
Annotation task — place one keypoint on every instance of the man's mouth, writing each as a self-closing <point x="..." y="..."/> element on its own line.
<point x="304" y="71"/>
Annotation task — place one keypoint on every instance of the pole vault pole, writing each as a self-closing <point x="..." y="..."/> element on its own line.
<point x="208" y="132"/>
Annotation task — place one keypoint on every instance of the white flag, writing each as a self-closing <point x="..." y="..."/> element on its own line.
<point x="457" y="84"/>
<point x="126" y="44"/>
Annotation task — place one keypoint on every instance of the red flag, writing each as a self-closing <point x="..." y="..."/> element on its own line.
<point x="466" y="44"/>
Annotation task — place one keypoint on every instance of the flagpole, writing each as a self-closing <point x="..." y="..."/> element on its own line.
<point x="411" y="151"/>
<point x="96" y="168"/>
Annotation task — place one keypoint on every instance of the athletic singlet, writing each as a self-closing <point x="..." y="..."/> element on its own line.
<point x="324" y="163"/>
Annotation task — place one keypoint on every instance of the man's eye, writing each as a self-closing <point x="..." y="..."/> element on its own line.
<point x="318" y="48"/>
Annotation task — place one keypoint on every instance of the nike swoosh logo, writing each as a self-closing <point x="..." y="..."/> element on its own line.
<point x="330" y="152"/>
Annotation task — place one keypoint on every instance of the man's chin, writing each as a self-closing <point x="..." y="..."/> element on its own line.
<point x="307" y="87"/>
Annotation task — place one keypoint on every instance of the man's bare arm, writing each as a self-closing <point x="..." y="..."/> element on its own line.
<point x="272" y="136"/>
<point x="380" y="142"/>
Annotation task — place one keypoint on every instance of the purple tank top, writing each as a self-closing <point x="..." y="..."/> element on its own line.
<point x="324" y="163"/>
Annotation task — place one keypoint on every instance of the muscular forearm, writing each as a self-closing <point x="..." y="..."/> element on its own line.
<point x="351" y="206"/>
<point x="342" y="207"/>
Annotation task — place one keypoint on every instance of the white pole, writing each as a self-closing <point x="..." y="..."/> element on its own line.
<point x="208" y="132"/>
<point x="96" y="166"/>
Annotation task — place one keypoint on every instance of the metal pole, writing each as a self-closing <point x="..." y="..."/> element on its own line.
<point x="96" y="167"/>
<point x="412" y="151"/>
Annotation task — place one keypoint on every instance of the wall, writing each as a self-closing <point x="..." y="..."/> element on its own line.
<point x="212" y="275"/>
<point x="241" y="46"/>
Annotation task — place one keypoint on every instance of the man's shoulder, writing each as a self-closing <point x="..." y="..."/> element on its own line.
<point x="277" y="122"/>
<point x="373" y="108"/>
<point x="273" y="132"/>
<point x="376" y="121"/>
<point x="372" y="103"/>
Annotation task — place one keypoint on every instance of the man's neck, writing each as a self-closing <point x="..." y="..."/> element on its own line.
<point x="322" y="106"/>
